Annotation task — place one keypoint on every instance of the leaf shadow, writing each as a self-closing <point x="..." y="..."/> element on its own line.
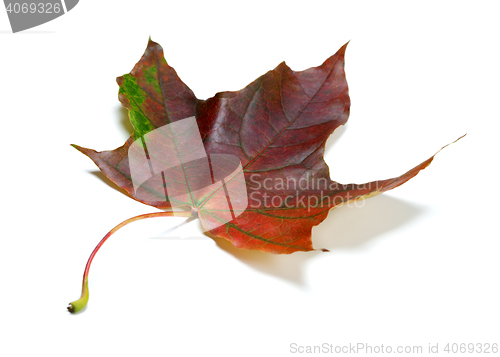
<point x="346" y="227"/>
<point x="334" y="137"/>
<point x="349" y="226"/>
<point x="284" y="266"/>
<point x="108" y="182"/>
<point x="124" y="120"/>
<point x="128" y="129"/>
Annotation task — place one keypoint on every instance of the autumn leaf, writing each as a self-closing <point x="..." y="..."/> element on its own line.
<point x="276" y="128"/>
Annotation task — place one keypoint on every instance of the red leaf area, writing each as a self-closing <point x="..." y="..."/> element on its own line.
<point x="277" y="126"/>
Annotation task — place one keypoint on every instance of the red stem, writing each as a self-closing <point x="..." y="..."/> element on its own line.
<point x="79" y="304"/>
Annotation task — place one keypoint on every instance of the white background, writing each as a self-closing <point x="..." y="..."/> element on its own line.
<point x="414" y="266"/>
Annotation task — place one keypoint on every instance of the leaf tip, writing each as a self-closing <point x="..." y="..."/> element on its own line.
<point x="83" y="150"/>
<point x="342" y="49"/>
<point x="453" y="142"/>
<point x="153" y="44"/>
<point x="460" y="138"/>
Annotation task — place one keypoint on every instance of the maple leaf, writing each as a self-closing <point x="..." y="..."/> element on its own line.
<point x="276" y="127"/>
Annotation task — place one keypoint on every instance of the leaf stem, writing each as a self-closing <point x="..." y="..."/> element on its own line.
<point x="79" y="304"/>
